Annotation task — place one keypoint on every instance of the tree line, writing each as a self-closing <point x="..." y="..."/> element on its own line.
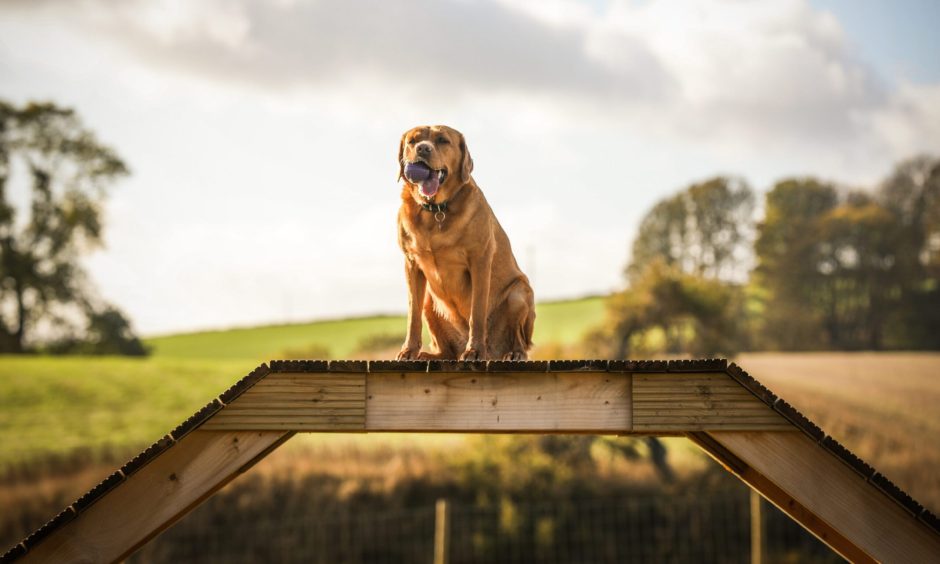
<point x="820" y="267"/>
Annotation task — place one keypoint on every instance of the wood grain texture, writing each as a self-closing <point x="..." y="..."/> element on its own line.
<point x="696" y="402"/>
<point x="499" y="402"/>
<point x="787" y="503"/>
<point x="297" y="402"/>
<point x="155" y="496"/>
<point x="835" y="494"/>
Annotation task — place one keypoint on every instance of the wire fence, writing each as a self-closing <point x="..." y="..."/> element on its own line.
<point x="638" y="529"/>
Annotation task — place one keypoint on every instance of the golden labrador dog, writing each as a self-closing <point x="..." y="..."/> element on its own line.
<point x="461" y="273"/>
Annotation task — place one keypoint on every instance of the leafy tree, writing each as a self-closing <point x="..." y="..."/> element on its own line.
<point x="108" y="333"/>
<point x="47" y="152"/>
<point x="830" y="265"/>
<point x="682" y="293"/>
<point x="912" y="194"/>
<point x="860" y="279"/>
<point x="687" y="313"/>
<point x="704" y="230"/>
<point x="787" y="249"/>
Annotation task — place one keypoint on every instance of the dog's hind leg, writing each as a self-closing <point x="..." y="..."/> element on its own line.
<point x="522" y="335"/>
<point x="511" y="324"/>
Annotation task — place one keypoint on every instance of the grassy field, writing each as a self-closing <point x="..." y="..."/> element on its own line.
<point x="260" y="344"/>
<point x="57" y="406"/>
<point x="562" y="322"/>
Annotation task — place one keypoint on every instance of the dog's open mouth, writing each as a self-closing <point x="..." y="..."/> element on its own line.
<point x="427" y="178"/>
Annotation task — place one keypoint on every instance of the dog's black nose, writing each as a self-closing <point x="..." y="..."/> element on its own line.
<point x="423" y="149"/>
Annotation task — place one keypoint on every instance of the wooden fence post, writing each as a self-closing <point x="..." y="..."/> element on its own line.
<point x="441" y="532"/>
<point x="757" y="528"/>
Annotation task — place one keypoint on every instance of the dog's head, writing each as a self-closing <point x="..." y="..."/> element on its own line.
<point x="434" y="160"/>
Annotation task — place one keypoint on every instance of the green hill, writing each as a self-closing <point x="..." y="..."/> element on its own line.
<point x="562" y="322"/>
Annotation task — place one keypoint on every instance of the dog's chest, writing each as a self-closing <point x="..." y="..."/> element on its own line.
<point x="439" y="254"/>
<point x="437" y="248"/>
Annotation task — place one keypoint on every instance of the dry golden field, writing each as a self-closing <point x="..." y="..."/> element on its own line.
<point x="884" y="407"/>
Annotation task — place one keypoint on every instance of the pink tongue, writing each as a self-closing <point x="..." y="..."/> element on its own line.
<point x="429" y="187"/>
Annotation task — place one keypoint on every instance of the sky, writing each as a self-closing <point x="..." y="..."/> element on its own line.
<point x="262" y="136"/>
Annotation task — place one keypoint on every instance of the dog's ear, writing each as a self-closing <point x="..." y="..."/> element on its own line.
<point x="401" y="156"/>
<point x="466" y="162"/>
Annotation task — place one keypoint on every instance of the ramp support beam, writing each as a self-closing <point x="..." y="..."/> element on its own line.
<point x="156" y="496"/>
<point x="824" y="495"/>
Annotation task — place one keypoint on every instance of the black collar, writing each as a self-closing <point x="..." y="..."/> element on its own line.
<point x="435" y="208"/>
<point x="441" y="207"/>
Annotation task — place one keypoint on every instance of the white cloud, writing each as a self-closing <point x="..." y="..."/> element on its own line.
<point x="734" y="73"/>
<point x="178" y="21"/>
<point x="910" y="123"/>
<point x="423" y="48"/>
<point x="262" y="135"/>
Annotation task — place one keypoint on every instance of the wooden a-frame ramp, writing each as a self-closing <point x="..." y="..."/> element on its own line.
<point x="750" y="431"/>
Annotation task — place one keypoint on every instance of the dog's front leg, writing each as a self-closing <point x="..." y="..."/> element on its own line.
<point x="480" y="273"/>
<point x="416" y="288"/>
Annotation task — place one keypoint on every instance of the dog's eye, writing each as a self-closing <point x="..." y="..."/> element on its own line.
<point x="443" y="141"/>
<point x="411" y="141"/>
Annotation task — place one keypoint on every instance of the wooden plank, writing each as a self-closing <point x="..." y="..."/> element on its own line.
<point x="697" y="402"/>
<point x="282" y="415"/>
<point x="499" y="402"/>
<point x="290" y="425"/>
<point x="287" y="389"/>
<point x="687" y="416"/>
<point x="279" y="410"/>
<point x="155" y="496"/>
<point x="683" y="420"/>
<point x="695" y="390"/>
<point x="835" y="494"/>
<point x="311" y="387"/>
<point x="304" y="380"/>
<point x="291" y="403"/>
<point x="650" y="429"/>
<point x="780" y="498"/>
<point x="698" y="390"/>
<point x="300" y="395"/>
<point x="287" y="421"/>
<point x="298" y="402"/>
<point x="718" y="380"/>
<point x="305" y="377"/>
<point x="682" y="395"/>
<point x="706" y="379"/>
<point x="691" y="407"/>
<point x="311" y="383"/>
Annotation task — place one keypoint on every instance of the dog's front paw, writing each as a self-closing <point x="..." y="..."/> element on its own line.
<point x="516" y="355"/>
<point x="409" y="353"/>
<point x="471" y="354"/>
